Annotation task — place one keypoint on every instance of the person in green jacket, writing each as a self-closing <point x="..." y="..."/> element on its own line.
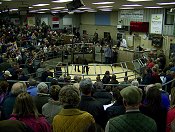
<point x="132" y="120"/>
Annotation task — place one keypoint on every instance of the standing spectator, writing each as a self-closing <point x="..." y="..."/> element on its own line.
<point x="71" y="119"/>
<point x="154" y="109"/>
<point x="32" y="89"/>
<point x="108" y="54"/>
<point x="5" y="76"/>
<point x="113" y="80"/>
<point x="9" y="101"/>
<point x="26" y="112"/>
<point x="42" y="96"/>
<point x="117" y="108"/>
<point x="98" y="84"/>
<point x="50" y="109"/>
<point x="132" y="120"/>
<point x="90" y="104"/>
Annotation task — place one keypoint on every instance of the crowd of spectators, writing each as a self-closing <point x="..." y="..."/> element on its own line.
<point x="140" y="105"/>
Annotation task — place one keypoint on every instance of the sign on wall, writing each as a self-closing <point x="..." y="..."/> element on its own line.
<point x="55" y="22"/>
<point x="131" y="14"/>
<point x="156" y="23"/>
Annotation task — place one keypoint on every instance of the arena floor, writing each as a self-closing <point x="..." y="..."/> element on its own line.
<point x="94" y="70"/>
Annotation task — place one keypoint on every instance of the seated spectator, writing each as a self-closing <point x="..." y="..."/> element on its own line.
<point x="125" y="83"/>
<point x="155" y="76"/>
<point x="154" y="109"/>
<point x="42" y="96"/>
<point x="103" y="96"/>
<point x="25" y="111"/>
<point x="71" y="119"/>
<point x="32" y="89"/>
<point x="90" y="104"/>
<point x="113" y="80"/>
<point x="106" y="79"/>
<point x="150" y="64"/>
<point x="117" y="108"/>
<point x="147" y="77"/>
<point x="98" y="84"/>
<point x="5" y="76"/>
<point x="135" y="83"/>
<point x="132" y="120"/>
<point x="9" y="101"/>
<point x="50" y="109"/>
<point x="4" y="86"/>
<point x="13" y="126"/>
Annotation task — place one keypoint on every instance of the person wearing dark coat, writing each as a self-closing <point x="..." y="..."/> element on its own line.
<point x="154" y="109"/>
<point x="117" y="108"/>
<point x="90" y="104"/>
<point x="42" y="96"/>
<point x="9" y="101"/>
<point x="106" y="78"/>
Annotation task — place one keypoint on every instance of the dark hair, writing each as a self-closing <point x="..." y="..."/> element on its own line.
<point x="113" y="77"/>
<point x="153" y="98"/>
<point x="117" y="96"/>
<point x="54" y="92"/>
<point x="4" y="85"/>
<point x="54" y="82"/>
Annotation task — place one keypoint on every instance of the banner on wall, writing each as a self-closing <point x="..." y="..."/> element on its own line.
<point x="55" y="22"/>
<point x="45" y="20"/>
<point x="131" y="14"/>
<point x="156" y="23"/>
<point x="30" y="21"/>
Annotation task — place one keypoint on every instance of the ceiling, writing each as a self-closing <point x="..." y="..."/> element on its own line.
<point x="16" y="4"/>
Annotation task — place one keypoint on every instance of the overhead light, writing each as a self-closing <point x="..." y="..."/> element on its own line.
<point x="57" y="8"/>
<point x="132" y="5"/>
<point x="44" y="9"/>
<point x="41" y="12"/>
<point x="33" y="11"/>
<point x="61" y="1"/>
<point x="102" y="3"/>
<point x="104" y="6"/>
<point x="30" y="7"/>
<point x="106" y="9"/>
<point x="13" y="9"/>
<point x="0" y="2"/>
<point x="64" y="11"/>
<point x="172" y="9"/>
<point x="138" y="0"/>
<point x="6" y="0"/>
<point x="84" y="8"/>
<point x="166" y="3"/>
<point x="41" y="5"/>
<point x="153" y="7"/>
<point x="126" y="8"/>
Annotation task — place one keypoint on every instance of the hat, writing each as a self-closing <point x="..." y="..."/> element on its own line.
<point x="132" y="95"/>
<point x="42" y="87"/>
<point x="7" y="73"/>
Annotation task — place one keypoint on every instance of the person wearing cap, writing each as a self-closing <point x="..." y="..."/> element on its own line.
<point x="42" y="96"/>
<point x="5" y="76"/>
<point x="132" y="120"/>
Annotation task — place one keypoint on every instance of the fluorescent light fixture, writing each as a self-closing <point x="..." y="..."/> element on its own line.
<point x="6" y="0"/>
<point x="33" y="11"/>
<point x="106" y="9"/>
<point x="61" y="1"/>
<point x="30" y="7"/>
<point x="13" y="9"/>
<point x="104" y="6"/>
<point x="41" y="5"/>
<point x="92" y="11"/>
<point x="54" y="11"/>
<point x="64" y="11"/>
<point x="138" y="0"/>
<point x="167" y="3"/>
<point x="102" y="3"/>
<point x="129" y="8"/>
<point x="44" y="9"/>
<point x="132" y="5"/>
<point x="84" y="8"/>
<point x="153" y="7"/>
<point x="41" y="12"/>
<point x="0" y="2"/>
<point x="59" y="7"/>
